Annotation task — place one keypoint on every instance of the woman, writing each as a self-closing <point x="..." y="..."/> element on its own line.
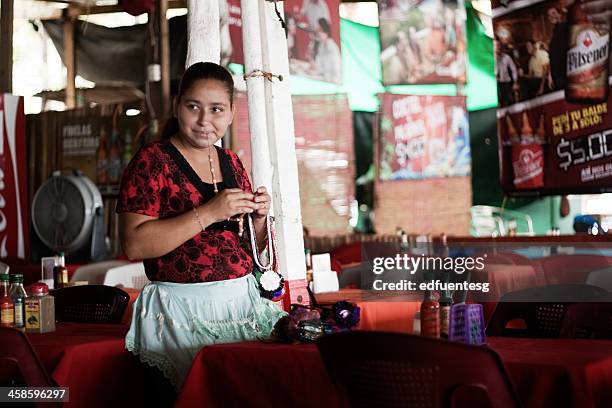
<point x="176" y="198"/>
<point x="328" y="62"/>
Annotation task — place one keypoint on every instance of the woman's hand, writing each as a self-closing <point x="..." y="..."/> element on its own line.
<point x="262" y="201"/>
<point x="228" y="203"/>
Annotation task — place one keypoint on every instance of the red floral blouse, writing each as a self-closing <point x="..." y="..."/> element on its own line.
<point x="159" y="182"/>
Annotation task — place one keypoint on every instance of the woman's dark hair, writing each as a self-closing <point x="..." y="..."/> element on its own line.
<point x="196" y="72"/>
<point x="324" y="24"/>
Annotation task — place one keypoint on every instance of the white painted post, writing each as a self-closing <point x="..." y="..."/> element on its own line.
<point x="281" y="135"/>
<point x="252" y="48"/>
<point x="203" y="39"/>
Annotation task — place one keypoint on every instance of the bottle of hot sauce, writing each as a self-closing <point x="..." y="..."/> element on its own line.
<point x="430" y="316"/>
<point x="587" y="58"/>
<point x="7" y="307"/>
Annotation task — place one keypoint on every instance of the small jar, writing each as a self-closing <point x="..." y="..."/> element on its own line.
<point x="39" y="309"/>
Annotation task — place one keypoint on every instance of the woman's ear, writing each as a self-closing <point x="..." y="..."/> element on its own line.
<point x="233" y="109"/>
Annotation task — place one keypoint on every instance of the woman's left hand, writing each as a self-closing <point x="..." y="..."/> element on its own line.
<point x="262" y="199"/>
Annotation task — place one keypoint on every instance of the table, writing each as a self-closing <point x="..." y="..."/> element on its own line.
<point x="547" y="373"/>
<point x="558" y="372"/>
<point x="92" y="361"/>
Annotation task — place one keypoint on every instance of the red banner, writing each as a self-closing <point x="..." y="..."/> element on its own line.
<point x="13" y="179"/>
<point x="554" y="129"/>
<point x="423" y="137"/>
<point x="314" y="45"/>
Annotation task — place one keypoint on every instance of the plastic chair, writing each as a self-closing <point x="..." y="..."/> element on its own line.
<point x="379" y="369"/>
<point x="560" y="269"/>
<point x="589" y="320"/>
<point x="20" y="366"/>
<point x="601" y="278"/>
<point x="94" y="273"/>
<point x="539" y="312"/>
<point x="130" y="276"/>
<point x="488" y="221"/>
<point x="4" y="268"/>
<point x="90" y="304"/>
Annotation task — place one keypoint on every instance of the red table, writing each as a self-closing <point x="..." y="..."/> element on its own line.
<point x="92" y="361"/>
<point x="547" y="373"/>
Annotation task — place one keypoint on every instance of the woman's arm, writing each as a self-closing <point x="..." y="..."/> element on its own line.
<point x="145" y="237"/>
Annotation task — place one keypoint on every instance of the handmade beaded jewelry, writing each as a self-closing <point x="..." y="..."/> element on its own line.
<point x="239" y="218"/>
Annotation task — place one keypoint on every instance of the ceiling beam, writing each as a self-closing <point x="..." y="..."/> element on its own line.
<point x="54" y="10"/>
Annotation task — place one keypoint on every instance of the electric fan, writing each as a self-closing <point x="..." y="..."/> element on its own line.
<point x="68" y="216"/>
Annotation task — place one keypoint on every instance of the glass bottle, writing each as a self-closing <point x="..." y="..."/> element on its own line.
<point x="7" y="308"/>
<point x="430" y="316"/>
<point x="127" y="148"/>
<point x="60" y="273"/>
<point x="587" y="58"/>
<point x="18" y="295"/>
<point x="102" y="159"/>
<point x="114" y="159"/>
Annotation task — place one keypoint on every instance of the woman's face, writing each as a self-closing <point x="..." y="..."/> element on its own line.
<point x="204" y="113"/>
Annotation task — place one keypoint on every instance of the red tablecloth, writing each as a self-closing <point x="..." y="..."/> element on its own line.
<point x="92" y="361"/>
<point x="547" y="373"/>
<point x="559" y="372"/>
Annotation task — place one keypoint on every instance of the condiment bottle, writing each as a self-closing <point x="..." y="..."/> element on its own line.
<point x="60" y="273"/>
<point x="18" y="296"/>
<point x="430" y="316"/>
<point x="7" y="308"/>
<point x="40" y="310"/>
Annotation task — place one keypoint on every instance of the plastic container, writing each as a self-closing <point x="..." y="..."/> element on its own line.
<point x="467" y="324"/>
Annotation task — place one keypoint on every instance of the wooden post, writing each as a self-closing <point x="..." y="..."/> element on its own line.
<point x="281" y="135"/>
<point x="253" y="61"/>
<point x="70" y="61"/>
<point x="6" y="46"/>
<point x="203" y="39"/>
<point x="164" y="58"/>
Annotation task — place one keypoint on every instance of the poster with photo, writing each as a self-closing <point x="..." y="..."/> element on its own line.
<point x="422" y="41"/>
<point x="423" y="137"/>
<point x="553" y="81"/>
<point x="313" y="37"/>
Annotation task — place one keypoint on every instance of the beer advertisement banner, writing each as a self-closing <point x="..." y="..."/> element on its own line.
<point x="13" y="179"/>
<point x="423" y="137"/>
<point x="313" y="37"/>
<point x="423" y="41"/>
<point x="553" y="80"/>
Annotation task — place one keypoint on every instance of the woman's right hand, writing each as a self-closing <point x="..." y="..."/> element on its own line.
<point x="228" y="203"/>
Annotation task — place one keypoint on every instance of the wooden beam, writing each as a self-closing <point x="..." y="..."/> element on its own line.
<point x="203" y="39"/>
<point x="281" y="135"/>
<point x="6" y="46"/>
<point x="70" y="62"/>
<point x="47" y="13"/>
<point x="164" y="57"/>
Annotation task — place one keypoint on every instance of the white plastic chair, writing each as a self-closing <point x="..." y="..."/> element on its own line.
<point x="129" y="276"/>
<point x="94" y="273"/>
<point x="490" y="221"/>
<point x="4" y="268"/>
